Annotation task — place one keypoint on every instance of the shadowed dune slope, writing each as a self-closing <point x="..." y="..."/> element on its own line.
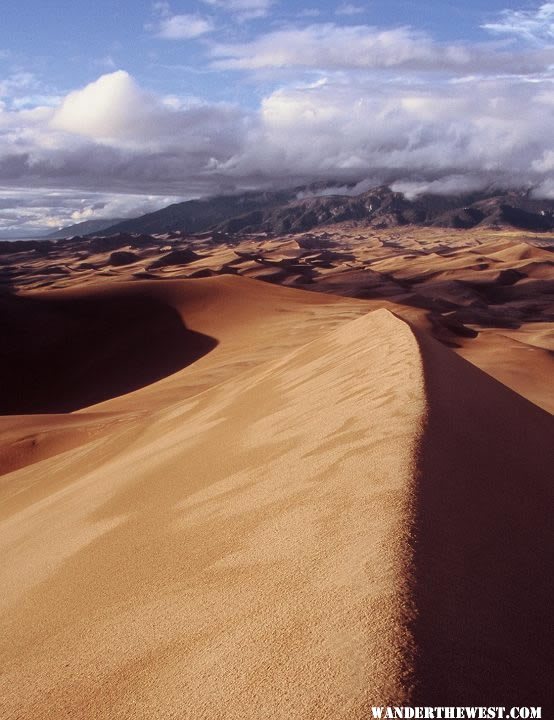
<point x="63" y="351"/>
<point x="253" y="323"/>
<point x="246" y="322"/>
<point x="484" y="541"/>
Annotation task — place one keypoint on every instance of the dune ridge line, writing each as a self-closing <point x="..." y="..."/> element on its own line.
<point x="317" y="534"/>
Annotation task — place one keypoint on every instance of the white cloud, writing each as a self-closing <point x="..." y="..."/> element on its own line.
<point x="25" y="212"/>
<point x="116" y="112"/>
<point x="447" y="185"/>
<point x="361" y="47"/>
<point x="487" y="132"/>
<point x="107" y="107"/>
<point x="536" y="26"/>
<point x="17" y="82"/>
<point x="171" y="26"/>
<point x="183" y="27"/>
<point x="246" y="9"/>
<point x="327" y="45"/>
<point x="349" y="9"/>
<point x="113" y="135"/>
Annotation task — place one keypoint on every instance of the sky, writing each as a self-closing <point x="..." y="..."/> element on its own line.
<point x="119" y="107"/>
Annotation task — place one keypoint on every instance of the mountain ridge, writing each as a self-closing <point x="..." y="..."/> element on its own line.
<point x="87" y="227"/>
<point x="285" y="211"/>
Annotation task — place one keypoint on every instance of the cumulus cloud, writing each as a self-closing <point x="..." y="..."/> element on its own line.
<point x="534" y="25"/>
<point x="113" y="135"/>
<point x="116" y="112"/>
<point x="107" y="107"/>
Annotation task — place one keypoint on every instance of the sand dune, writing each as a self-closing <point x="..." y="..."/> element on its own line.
<point x="71" y="349"/>
<point x="352" y="516"/>
<point x="463" y="287"/>
<point x="484" y="541"/>
<point x="29" y="439"/>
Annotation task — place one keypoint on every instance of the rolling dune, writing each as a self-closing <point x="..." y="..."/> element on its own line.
<point x="471" y="289"/>
<point x="328" y="510"/>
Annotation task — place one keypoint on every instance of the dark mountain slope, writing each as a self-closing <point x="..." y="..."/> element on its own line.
<point x="88" y="227"/>
<point x="287" y="212"/>
<point x="199" y="215"/>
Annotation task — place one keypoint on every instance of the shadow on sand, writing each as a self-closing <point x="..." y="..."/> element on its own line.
<point x="483" y="541"/>
<point x="65" y="353"/>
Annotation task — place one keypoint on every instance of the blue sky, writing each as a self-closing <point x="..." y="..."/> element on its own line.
<point x="114" y="108"/>
<point x="68" y="44"/>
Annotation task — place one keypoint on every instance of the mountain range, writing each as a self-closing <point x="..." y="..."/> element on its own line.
<point x="299" y="210"/>
<point x="87" y="227"/>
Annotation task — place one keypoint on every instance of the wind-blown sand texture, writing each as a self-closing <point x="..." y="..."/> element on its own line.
<point x="308" y="506"/>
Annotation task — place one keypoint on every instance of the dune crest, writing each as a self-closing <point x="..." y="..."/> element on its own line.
<point x="304" y="539"/>
<point x="487" y="293"/>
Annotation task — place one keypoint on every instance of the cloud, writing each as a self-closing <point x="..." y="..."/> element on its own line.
<point x="116" y="112"/>
<point x="114" y="135"/>
<point x="26" y="212"/>
<point x="535" y="26"/>
<point x="351" y="189"/>
<point x="328" y="46"/>
<point x="487" y="132"/>
<point x="114" y="138"/>
<point x="246" y="9"/>
<point x="447" y="185"/>
<point x="17" y="82"/>
<point x="349" y="9"/>
<point x="170" y="26"/>
<point x="107" y="107"/>
<point x="545" y="189"/>
<point x="183" y="27"/>
<point x="32" y="101"/>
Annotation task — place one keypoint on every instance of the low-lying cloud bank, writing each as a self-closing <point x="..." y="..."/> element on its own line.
<point x="456" y="133"/>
